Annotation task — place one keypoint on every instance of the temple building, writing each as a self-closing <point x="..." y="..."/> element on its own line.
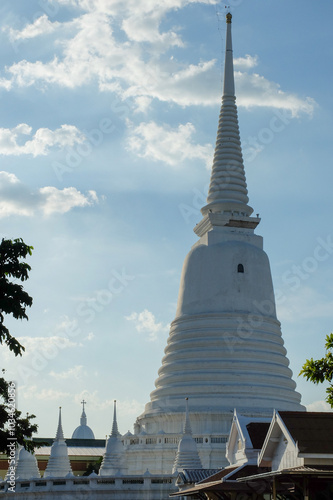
<point x="224" y="352"/>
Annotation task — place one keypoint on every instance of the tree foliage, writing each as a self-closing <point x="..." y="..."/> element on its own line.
<point x="93" y="467"/>
<point x="13" y="301"/>
<point x="321" y="370"/>
<point x="13" y="298"/>
<point x="12" y="423"/>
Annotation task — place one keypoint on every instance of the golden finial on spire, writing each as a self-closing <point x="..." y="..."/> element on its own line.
<point x="228" y="18"/>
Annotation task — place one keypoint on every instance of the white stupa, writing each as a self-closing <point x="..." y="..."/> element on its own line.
<point x="114" y="458"/>
<point x="58" y="464"/>
<point x="187" y="456"/>
<point x="26" y="466"/>
<point x="83" y="431"/>
<point x="225" y="348"/>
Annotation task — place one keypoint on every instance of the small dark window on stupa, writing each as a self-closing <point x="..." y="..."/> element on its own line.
<point x="240" y="268"/>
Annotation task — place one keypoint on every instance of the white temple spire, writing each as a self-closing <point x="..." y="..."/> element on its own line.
<point x="227" y="193"/>
<point x="228" y="83"/>
<point x="187" y="456"/>
<point x="60" y="433"/>
<point x="114" y="456"/>
<point x="58" y="464"/>
<point x="114" y="431"/>
<point x="187" y="424"/>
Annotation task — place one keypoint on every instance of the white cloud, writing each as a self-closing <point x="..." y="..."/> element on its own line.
<point x="171" y="146"/>
<point x="246" y="62"/>
<point x="93" y="52"/>
<point x="46" y="346"/>
<point x="142" y="104"/>
<point x="5" y="84"/>
<point x="66" y="326"/>
<point x="40" y="143"/>
<point x="76" y="372"/>
<point x="32" y="393"/>
<point x="95" y="402"/>
<point x="39" y="353"/>
<point x="17" y="199"/>
<point x="305" y="303"/>
<point x="145" y="322"/>
<point x="318" y="406"/>
<point x="145" y="28"/>
<point x="255" y="90"/>
<point x="172" y="82"/>
<point x="40" y="26"/>
<point x="62" y="200"/>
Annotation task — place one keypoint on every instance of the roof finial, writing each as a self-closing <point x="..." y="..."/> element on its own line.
<point x="83" y="419"/>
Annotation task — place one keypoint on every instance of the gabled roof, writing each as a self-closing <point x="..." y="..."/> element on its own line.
<point x="251" y="431"/>
<point x="312" y="431"/>
<point x="257" y="432"/>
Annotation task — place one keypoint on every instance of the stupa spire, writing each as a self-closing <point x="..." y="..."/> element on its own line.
<point x="227" y="193"/>
<point x="114" y="431"/>
<point x="187" y="456"/>
<point x="228" y="83"/>
<point x="60" y="432"/>
<point x="187" y="423"/>
<point x="114" y="457"/>
<point x="58" y="464"/>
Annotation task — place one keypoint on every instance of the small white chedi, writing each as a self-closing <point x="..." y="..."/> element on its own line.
<point x="58" y="464"/>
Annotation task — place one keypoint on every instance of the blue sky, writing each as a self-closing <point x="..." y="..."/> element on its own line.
<point x="108" y="120"/>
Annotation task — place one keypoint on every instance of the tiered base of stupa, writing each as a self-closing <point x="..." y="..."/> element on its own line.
<point x="224" y="351"/>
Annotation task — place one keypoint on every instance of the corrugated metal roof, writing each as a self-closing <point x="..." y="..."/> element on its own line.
<point x="80" y="451"/>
